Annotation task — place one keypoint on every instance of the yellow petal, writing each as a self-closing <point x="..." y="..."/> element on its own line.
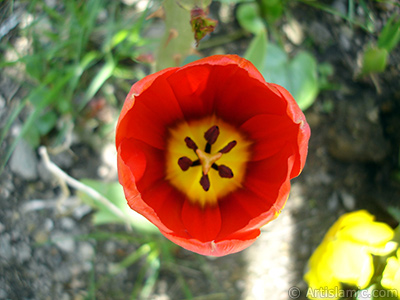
<point x="320" y="279"/>
<point x="383" y="250"/>
<point x="360" y="216"/>
<point x="367" y="233"/>
<point x="391" y="274"/>
<point x="351" y="264"/>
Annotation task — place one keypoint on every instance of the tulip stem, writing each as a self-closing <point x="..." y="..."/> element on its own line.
<point x="178" y="37"/>
<point x="64" y="179"/>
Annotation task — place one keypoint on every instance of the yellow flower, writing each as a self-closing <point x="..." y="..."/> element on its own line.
<point x="344" y="256"/>
<point x="391" y="274"/>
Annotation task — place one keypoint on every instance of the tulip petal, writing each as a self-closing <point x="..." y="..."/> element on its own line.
<point x="391" y="274"/>
<point x="133" y="196"/>
<point x="215" y="248"/>
<point x="270" y="133"/>
<point x="225" y="90"/>
<point x="244" y="211"/>
<point x="202" y="223"/>
<point x="303" y="137"/>
<point x="267" y="177"/>
<point x="264" y="194"/>
<point x="351" y="264"/>
<point x="188" y="86"/>
<point x="368" y="233"/>
<point x="167" y="204"/>
<point x="154" y="109"/>
<point x="141" y="86"/>
<point x="229" y="60"/>
<point x="146" y="163"/>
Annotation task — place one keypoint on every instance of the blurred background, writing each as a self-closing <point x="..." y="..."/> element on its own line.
<point x="65" y="70"/>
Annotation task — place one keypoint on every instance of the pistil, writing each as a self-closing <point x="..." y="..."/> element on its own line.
<point x="207" y="160"/>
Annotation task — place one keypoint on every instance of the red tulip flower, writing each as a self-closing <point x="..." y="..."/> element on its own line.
<point x="206" y="152"/>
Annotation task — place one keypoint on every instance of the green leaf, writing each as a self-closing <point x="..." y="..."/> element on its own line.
<point x="249" y="18"/>
<point x="374" y="60"/>
<point x="113" y="191"/>
<point x="272" y="10"/>
<point x="105" y="72"/>
<point x="298" y="75"/>
<point x="395" y="212"/>
<point x="257" y="50"/>
<point x="390" y="34"/>
<point x="46" y="122"/>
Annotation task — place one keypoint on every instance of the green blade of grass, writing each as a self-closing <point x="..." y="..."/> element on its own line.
<point x="149" y="270"/>
<point x="132" y="258"/>
<point x="105" y="72"/>
<point x="41" y="100"/>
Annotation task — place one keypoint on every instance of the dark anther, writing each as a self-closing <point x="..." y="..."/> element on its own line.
<point x="190" y="144"/>
<point x="228" y="147"/>
<point x="212" y="134"/>
<point x="205" y="182"/>
<point x="225" y="172"/>
<point x="206" y="158"/>
<point x="185" y="162"/>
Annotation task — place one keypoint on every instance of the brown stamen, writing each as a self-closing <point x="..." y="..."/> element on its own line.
<point x="212" y="134"/>
<point x="225" y="172"/>
<point x="190" y="144"/>
<point x="206" y="159"/>
<point x="184" y="163"/>
<point x="205" y="182"/>
<point x="228" y="147"/>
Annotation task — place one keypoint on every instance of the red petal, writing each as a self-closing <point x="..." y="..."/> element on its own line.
<point x="270" y="134"/>
<point x="235" y="89"/>
<point x="265" y="191"/>
<point x="202" y="224"/>
<point x="243" y="211"/>
<point x="133" y="196"/>
<point x="242" y="98"/>
<point x="167" y="204"/>
<point x="134" y="157"/>
<point x="140" y="87"/>
<point x="151" y="196"/>
<point x="232" y="89"/>
<point x="303" y="137"/>
<point x="150" y="167"/>
<point x="267" y="177"/>
<point x="227" y="60"/>
<point x="188" y="86"/>
<point x="215" y="248"/>
<point x="149" y="107"/>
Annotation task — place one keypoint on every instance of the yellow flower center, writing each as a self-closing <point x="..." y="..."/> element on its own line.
<point x="206" y="159"/>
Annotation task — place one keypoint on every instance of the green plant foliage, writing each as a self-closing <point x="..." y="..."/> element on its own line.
<point x="390" y="34"/>
<point x="257" y="50"/>
<point x="113" y="191"/>
<point x="374" y="60"/>
<point x="249" y="18"/>
<point x="178" y="38"/>
<point x="298" y="75"/>
<point x="272" y="10"/>
<point x="72" y="56"/>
